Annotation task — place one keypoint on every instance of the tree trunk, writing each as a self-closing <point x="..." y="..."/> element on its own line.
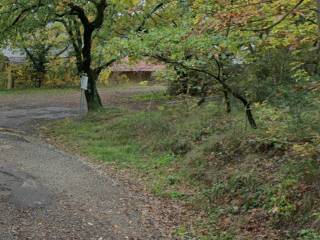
<point x="247" y="106"/>
<point x="251" y="120"/>
<point x="39" y="79"/>
<point x="225" y="86"/>
<point x="84" y="58"/>
<point x="227" y="101"/>
<point x="94" y="102"/>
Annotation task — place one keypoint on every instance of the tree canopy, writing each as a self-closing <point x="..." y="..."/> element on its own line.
<point x="212" y="40"/>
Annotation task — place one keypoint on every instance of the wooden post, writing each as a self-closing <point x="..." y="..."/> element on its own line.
<point x="10" y="83"/>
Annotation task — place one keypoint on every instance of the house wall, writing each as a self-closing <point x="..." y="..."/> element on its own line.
<point x="122" y="77"/>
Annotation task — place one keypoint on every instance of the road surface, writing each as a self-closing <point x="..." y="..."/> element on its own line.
<point x="46" y="193"/>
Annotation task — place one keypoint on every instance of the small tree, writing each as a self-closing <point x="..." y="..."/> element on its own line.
<point x="216" y="39"/>
<point x="40" y="47"/>
<point x="91" y="25"/>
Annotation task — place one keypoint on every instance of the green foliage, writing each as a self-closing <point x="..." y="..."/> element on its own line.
<point x="210" y="159"/>
<point x="264" y="55"/>
<point x="309" y="234"/>
<point x="157" y="96"/>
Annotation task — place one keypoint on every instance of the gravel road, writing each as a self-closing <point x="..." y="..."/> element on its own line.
<point x="46" y="193"/>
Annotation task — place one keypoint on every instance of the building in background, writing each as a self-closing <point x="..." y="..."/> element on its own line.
<point x="14" y="56"/>
<point x="142" y="70"/>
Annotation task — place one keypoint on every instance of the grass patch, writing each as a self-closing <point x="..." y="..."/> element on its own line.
<point x="247" y="181"/>
<point x="18" y="91"/>
<point x="156" y="96"/>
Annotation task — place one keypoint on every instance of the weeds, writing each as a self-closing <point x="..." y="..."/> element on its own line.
<point x="209" y="159"/>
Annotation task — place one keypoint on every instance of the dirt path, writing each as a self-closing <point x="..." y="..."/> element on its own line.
<point x="48" y="194"/>
<point x="24" y="110"/>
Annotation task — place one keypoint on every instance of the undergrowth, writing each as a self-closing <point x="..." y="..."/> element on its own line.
<point x="252" y="184"/>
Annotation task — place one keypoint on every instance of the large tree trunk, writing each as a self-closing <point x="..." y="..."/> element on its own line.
<point x="39" y="79"/>
<point x="92" y="96"/>
<point x="84" y="57"/>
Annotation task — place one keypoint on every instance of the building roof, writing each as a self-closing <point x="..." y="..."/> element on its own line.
<point x="15" y="56"/>
<point x="18" y="56"/>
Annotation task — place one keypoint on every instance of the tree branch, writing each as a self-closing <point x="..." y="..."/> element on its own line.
<point x="149" y="15"/>
<point x="101" y="7"/>
<point x="237" y="95"/>
<point x="284" y="17"/>
<point x="22" y="14"/>
<point x="80" y="13"/>
<point x="100" y="68"/>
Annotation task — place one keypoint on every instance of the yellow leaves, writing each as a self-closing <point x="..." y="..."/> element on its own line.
<point x="223" y="16"/>
<point x="275" y="210"/>
<point x="306" y="150"/>
<point x="127" y="3"/>
<point x="91" y="18"/>
<point x="104" y="76"/>
<point x="61" y="5"/>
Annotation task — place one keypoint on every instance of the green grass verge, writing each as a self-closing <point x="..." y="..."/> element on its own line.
<point x="156" y="96"/>
<point x="247" y="181"/>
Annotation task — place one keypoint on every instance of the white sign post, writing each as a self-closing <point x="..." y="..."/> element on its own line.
<point x="83" y="88"/>
<point x="84" y="82"/>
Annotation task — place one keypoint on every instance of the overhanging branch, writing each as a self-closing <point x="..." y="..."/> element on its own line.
<point x="100" y="68"/>
<point x="149" y="15"/>
<point x="284" y="17"/>
<point x="234" y="93"/>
